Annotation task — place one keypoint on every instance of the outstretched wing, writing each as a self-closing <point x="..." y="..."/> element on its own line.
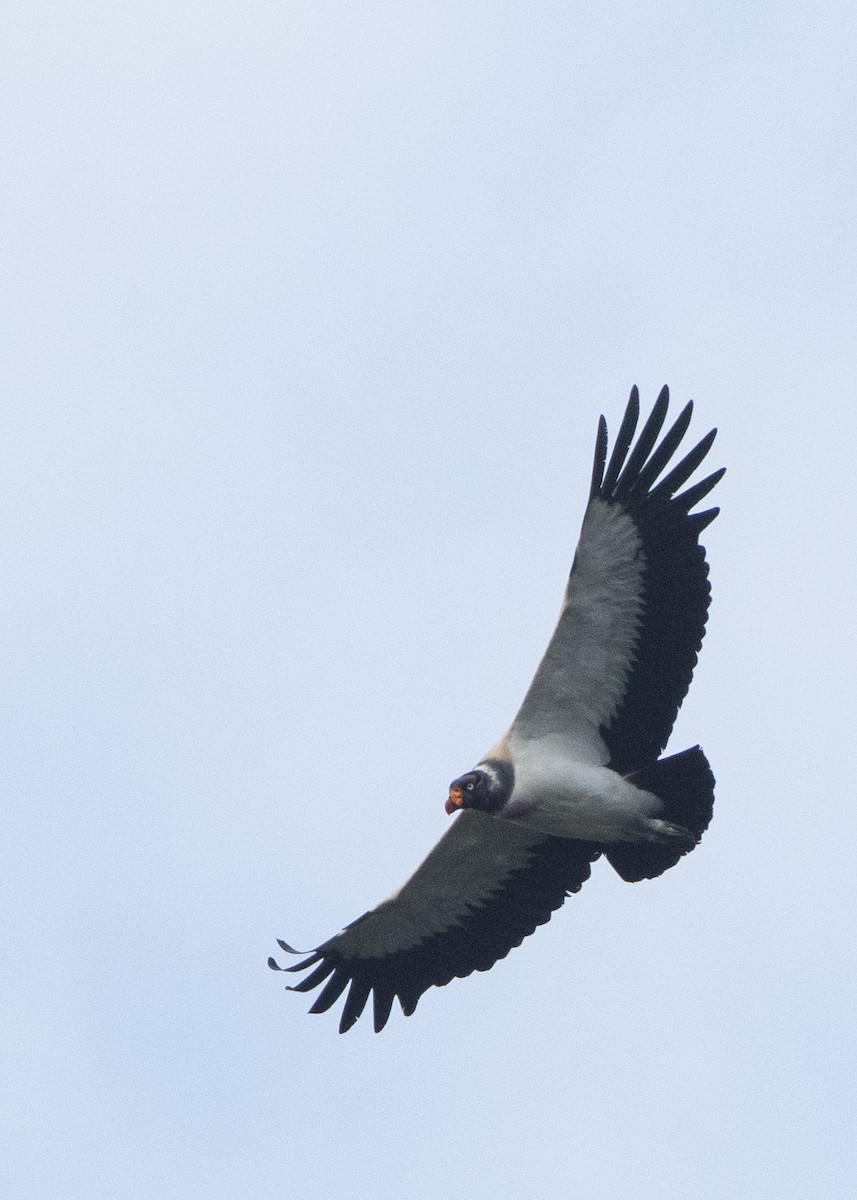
<point x="486" y="885"/>
<point x="622" y="656"/>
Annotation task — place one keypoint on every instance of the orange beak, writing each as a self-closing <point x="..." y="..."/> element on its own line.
<point x="455" y="801"/>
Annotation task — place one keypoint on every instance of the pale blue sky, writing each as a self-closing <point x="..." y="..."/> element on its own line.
<point x="310" y="312"/>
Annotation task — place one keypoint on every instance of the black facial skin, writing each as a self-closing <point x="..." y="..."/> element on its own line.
<point x="474" y="789"/>
<point x="483" y="792"/>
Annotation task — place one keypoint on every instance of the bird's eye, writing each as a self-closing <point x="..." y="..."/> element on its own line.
<point x="469" y="787"/>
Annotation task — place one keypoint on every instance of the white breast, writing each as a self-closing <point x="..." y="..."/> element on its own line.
<point x="557" y="793"/>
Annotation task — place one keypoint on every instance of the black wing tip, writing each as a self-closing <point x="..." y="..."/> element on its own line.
<point x="600" y="458"/>
<point x="633" y="473"/>
<point x="333" y="975"/>
<point x="313" y="956"/>
<point x="624" y="440"/>
<point x="290" y="949"/>
<point x="702" y="520"/>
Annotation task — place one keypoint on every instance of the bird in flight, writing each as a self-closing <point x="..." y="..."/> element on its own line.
<point x="578" y="774"/>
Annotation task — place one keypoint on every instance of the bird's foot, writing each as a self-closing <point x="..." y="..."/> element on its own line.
<point x="666" y="833"/>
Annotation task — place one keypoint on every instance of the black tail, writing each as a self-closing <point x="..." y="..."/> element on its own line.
<point x="686" y="785"/>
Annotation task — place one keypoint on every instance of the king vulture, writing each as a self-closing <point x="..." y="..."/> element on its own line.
<point x="578" y="774"/>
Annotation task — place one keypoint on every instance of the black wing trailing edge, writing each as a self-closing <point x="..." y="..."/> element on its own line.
<point x="675" y="579"/>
